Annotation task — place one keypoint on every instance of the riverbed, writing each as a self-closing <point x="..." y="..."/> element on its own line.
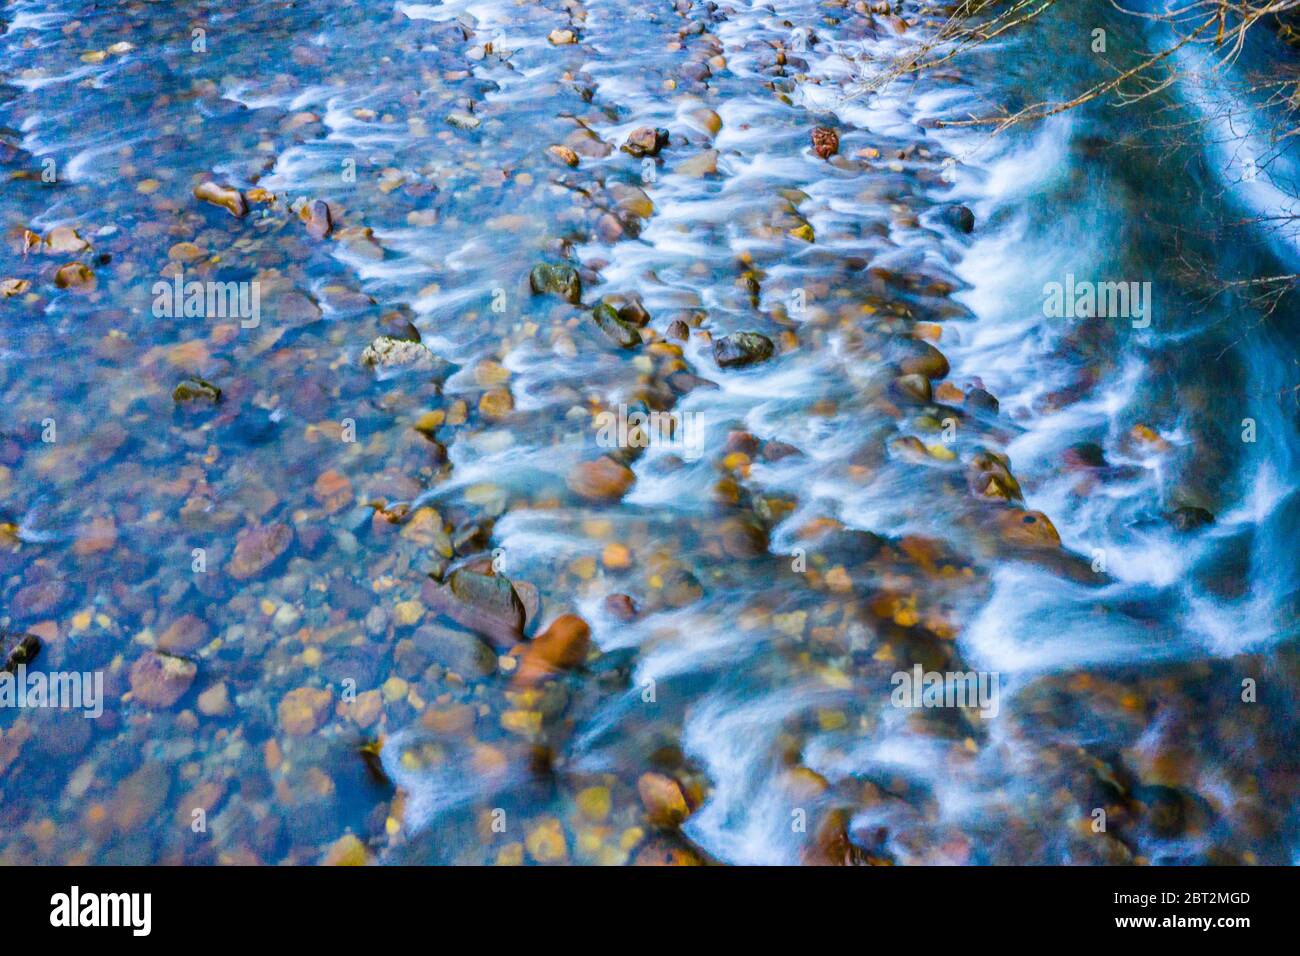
<point x="590" y="412"/>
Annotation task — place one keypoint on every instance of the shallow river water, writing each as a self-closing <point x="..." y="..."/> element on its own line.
<point x="294" y="594"/>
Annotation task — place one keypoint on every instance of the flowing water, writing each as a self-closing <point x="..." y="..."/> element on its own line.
<point x="256" y="578"/>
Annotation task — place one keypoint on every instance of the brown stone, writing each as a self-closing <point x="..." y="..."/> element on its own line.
<point x="661" y="795"/>
<point x="915" y="387"/>
<point x="74" y="275"/>
<point x="333" y="491"/>
<point x="831" y="845"/>
<point x="184" y="635"/>
<point x="708" y="119"/>
<point x="825" y="142"/>
<point x="601" y="480"/>
<point x="702" y="164"/>
<point x="660" y="852"/>
<point x="563" y="154"/>
<point x="561" y="647"/>
<point x="486" y="604"/>
<point x="257" y="548"/>
<point x="496" y="403"/>
<point x="228" y="198"/>
<point x="1029" y="529"/>
<point x="160" y="680"/>
<point x="924" y="359"/>
<point x="303" y="710"/>
<point x="646" y="141"/>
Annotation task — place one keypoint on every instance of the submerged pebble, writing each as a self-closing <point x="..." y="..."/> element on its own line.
<point x="196" y="390"/>
<point x="227" y="197"/>
<point x="603" y="479"/>
<point x="160" y="680"/>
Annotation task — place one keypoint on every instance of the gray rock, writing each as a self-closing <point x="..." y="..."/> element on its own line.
<point x="491" y="593"/>
<point x="958" y="217"/>
<point x="458" y="651"/>
<point x="741" y="349"/>
<point x="388" y="354"/>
